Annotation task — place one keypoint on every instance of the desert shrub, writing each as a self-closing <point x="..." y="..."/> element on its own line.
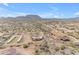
<point x="37" y="52"/>
<point x="30" y="43"/>
<point x="2" y="47"/>
<point x="25" y="46"/>
<point x="63" y="47"/>
<point x="11" y="46"/>
<point x="57" y="49"/>
<point x="18" y="45"/>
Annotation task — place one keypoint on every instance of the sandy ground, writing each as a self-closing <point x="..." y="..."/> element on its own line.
<point x="17" y="51"/>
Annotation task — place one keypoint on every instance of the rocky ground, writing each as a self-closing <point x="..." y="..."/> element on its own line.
<point x="39" y="37"/>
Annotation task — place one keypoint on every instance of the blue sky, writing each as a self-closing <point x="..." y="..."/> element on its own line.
<point x="46" y="10"/>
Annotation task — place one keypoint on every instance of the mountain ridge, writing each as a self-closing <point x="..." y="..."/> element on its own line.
<point x="36" y="17"/>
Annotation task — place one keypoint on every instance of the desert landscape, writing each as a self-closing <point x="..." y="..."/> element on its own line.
<point x="33" y="35"/>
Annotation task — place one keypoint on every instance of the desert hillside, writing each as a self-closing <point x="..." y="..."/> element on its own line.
<point x="33" y="35"/>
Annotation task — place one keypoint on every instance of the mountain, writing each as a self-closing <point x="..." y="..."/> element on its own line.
<point x="29" y="17"/>
<point x="36" y="17"/>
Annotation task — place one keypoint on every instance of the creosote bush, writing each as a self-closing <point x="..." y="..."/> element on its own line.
<point x="25" y="46"/>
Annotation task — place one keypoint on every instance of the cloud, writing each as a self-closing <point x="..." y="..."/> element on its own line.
<point x="76" y="14"/>
<point x="46" y="15"/>
<point x="8" y="13"/>
<point x="56" y="16"/>
<point x="14" y="14"/>
<point x="6" y="4"/>
<point x="51" y="15"/>
<point x="54" y="8"/>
